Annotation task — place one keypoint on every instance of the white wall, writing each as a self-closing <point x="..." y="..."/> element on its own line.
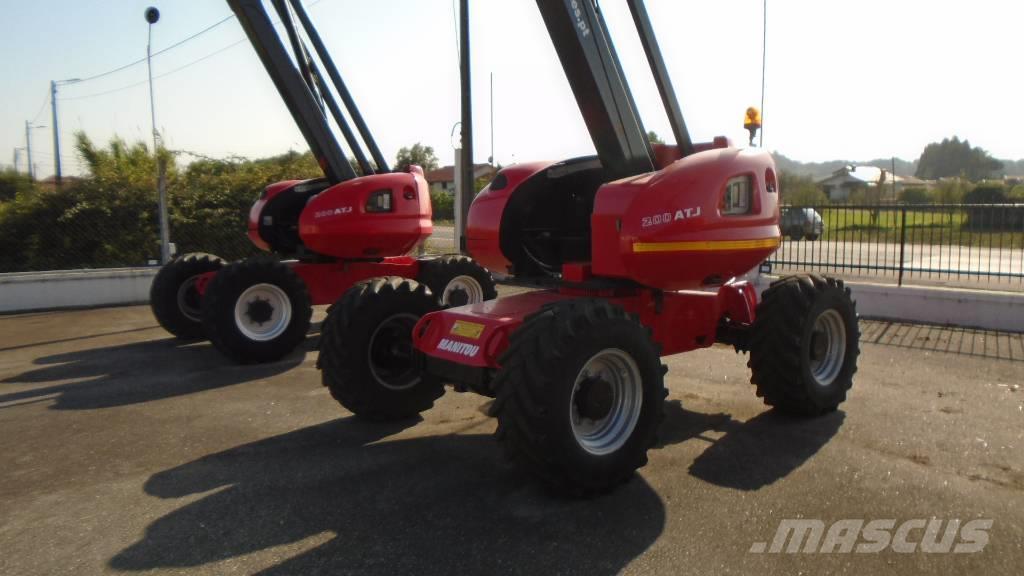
<point x="74" y="288"/>
<point x="984" y="309"/>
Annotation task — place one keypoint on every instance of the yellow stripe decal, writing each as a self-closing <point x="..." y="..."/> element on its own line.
<point x="707" y="246"/>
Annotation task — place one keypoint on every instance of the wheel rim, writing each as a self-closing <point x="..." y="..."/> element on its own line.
<point x="391" y="354"/>
<point x="263" y="312"/>
<point x="462" y="290"/>
<point x="189" y="300"/>
<point x="828" y="347"/>
<point x="606" y="400"/>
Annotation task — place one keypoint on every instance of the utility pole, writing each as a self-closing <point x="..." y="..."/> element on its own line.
<point x="28" y="148"/>
<point x="894" y="198"/>
<point x="466" y="171"/>
<point x="152" y="16"/>
<point x="56" y="134"/>
<point x="492" y="162"/>
<point x="57" y="179"/>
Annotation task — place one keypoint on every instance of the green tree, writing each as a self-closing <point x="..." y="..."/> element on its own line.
<point x="417" y="154"/>
<point x="799" y="190"/>
<point x="952" y="158"/>
<point x="653" y="137"/>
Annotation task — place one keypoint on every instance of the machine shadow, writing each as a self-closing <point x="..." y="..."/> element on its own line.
<point x="752" y="454"/>
<point x="136" y="373"/>
<point x="433" y="505"/>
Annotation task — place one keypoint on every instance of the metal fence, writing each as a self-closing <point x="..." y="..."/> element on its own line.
<point x="977" y="245"/>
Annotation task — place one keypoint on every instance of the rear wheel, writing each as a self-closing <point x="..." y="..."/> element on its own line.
<point x="367" y="356"/>
<point x="173" y="297"/>
<point x="804" y="345"/>
<point x="256" y="310"/>
<point x="811" y="237"/>
<point x="580" y="395"/>
<point x="796" y="233"/>
<point x="457" y="280"/>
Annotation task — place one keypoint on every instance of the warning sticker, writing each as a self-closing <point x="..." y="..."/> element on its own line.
<point x="465" y="329"/>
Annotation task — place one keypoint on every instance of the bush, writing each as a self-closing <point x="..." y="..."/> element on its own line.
<point x="915" y="196"/>
<point x="950" y="191"/>
<point x="13" y="183"/>
<point x="1017" y="194"/>
<point x="443" y="204"/>
<point x="987" y="193"/>
<point x="992" y="217"/>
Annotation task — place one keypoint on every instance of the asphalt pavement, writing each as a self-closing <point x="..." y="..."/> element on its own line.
<point x="125" y="451"/>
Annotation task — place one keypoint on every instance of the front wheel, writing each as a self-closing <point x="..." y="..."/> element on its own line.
<point x="174" y="298"/>
<point x="256" y="310"/>
<point x="804" y="345"/>
<point x="367" y="357"/>
<point x="580" y="395"/>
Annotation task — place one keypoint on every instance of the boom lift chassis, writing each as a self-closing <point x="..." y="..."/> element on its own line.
<point x="334" y="232"/>
<point x="642" y="249"/>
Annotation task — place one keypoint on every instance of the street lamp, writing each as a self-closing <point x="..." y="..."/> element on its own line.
<point x="152" y="17"/>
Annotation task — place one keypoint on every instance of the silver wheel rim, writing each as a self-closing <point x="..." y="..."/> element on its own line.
<point x="185" y="296"/>
<point x="828" y="347"/>
<point x="391" y="356"/>
<point x="263" y="312"/>
<point x="463" y="284"/>
<point x="618" y="381"/>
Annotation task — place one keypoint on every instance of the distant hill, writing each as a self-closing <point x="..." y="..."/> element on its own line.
<point x="1012" y="167"/>
<point x="819" y="170"/>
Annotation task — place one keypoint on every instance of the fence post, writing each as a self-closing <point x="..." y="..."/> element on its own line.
<point x="903" y="241"/>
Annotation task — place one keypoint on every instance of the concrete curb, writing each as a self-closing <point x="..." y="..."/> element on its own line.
<point x="988" y="310"/>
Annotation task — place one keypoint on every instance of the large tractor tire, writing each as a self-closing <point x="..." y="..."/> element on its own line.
<point x="367" y="357"/>
<point x="457" y="280"/>
<point x="173" y="297"/>
<point x="256" y="310"/>
<point x="804" y="345"/>
<point x="580" y="396"/>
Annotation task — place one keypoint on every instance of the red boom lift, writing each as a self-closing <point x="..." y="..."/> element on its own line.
<point x="640" y="248"/>
<point x="339" y="230"/>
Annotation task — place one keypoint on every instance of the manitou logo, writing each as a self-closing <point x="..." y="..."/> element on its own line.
<point x="659" y="219"/>
<point x="333" y="212"/>
<point x="857" y="535"/>
<point x="456" y="347"/>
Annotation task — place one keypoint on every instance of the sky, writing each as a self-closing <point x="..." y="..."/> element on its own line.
<point x="844" y="80"/>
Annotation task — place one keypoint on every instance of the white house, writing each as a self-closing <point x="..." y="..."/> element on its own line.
<point x="443" y="179"/>
<point x="848" y="179"/>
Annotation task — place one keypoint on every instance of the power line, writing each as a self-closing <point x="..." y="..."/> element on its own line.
<point x="41" y="108"/>
<point x="158" y="52"/>
<point x="178" y="69"/>
<point x="157" y="77"/>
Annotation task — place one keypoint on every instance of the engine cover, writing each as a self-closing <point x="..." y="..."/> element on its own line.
<point x="701" y="220"/>
<point x="369" y="217"/>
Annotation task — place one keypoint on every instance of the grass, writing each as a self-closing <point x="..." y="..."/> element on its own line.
<point x="923" y="226"/>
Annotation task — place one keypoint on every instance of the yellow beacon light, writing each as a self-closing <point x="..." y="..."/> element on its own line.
<point x="752" y="122"/>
